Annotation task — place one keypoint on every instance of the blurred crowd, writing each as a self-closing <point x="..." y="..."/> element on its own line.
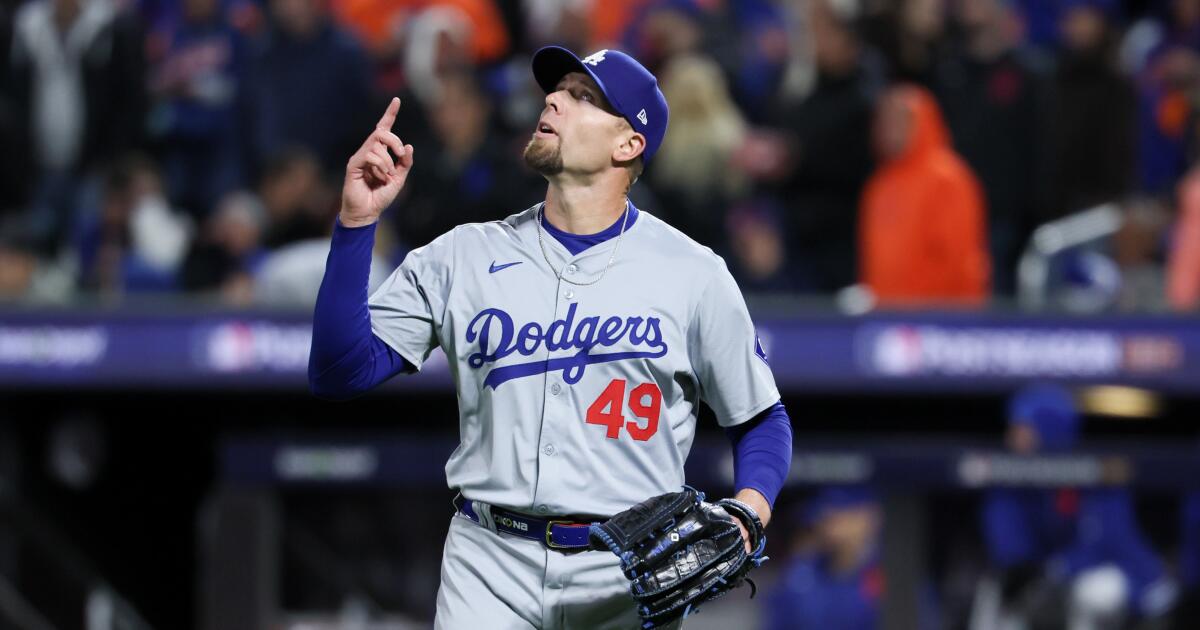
<point x="1063" y="558"/>
<point x="883" y="152"/>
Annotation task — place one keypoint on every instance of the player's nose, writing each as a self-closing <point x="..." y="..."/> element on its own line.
<point x="553" y="100"/>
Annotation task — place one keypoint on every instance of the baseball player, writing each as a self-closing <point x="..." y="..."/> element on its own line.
<point x="582" y="335"/>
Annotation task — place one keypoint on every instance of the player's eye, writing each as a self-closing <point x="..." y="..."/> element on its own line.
<point x="581" y="94"/>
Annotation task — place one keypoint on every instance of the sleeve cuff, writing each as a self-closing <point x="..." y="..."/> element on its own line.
<point x="338" y="227"/>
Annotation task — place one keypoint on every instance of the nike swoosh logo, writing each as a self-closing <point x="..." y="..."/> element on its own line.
<point x="494" y="268"/>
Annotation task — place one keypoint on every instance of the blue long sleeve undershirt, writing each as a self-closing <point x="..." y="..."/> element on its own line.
<point x="347" y="359"/>
<point x="762" y="452"/>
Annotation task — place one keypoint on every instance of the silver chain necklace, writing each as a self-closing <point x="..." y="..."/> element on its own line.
<point x="612" y="256"/>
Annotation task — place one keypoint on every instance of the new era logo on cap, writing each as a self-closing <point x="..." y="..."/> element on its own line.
<point x="628" y="86"/>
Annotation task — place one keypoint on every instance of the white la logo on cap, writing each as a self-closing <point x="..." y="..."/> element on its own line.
<point x="595" y="58"/>
<point x="642" y="117"/>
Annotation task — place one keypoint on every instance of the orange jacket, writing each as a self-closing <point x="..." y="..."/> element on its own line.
<point x="1183" y="261"/>
<point x="610" y="19"/>
<point x="375" y="20"/>
<point x="922" y="227"/>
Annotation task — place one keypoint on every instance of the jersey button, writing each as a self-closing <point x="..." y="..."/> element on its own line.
<point x="542" y="509"/>
<point x="555" y="389"/>
<point x="568" y="294"/>
<point x="571" y="268"/>
<point x="548" y="449"/>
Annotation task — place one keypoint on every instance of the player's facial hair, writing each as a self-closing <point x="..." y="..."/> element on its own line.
<point x="544" y="157"/>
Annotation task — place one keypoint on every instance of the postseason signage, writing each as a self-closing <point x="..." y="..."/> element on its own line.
<point x="915" y="352"/>
<point x="930" y="352"/>
<point x="188" y="351"/>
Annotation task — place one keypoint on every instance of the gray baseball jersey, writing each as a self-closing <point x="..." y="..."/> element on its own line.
<point x="575" y="399"/>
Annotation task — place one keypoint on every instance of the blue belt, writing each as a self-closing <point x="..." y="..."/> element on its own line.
<point x="554" y="533"/>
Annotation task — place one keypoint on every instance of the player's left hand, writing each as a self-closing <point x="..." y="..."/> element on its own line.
<point x="679" y="553"/>
<point x="757" y="501"/>
<point x="745" y="536"/>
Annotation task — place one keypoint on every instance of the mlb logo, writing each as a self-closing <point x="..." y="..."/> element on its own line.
<point x="642" y="117"/>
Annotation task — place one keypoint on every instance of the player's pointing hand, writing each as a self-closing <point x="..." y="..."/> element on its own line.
<point x="376" y="172"/>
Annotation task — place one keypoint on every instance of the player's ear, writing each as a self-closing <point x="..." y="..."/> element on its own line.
<point x="632" y="145"/>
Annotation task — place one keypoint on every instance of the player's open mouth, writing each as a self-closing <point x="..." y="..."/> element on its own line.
<point x="544" y="129"/>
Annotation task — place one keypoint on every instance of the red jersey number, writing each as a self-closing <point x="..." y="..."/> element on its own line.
<point x="645" y="401"/>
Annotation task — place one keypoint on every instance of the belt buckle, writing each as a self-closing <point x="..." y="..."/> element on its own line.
<point x="550" y="539"/>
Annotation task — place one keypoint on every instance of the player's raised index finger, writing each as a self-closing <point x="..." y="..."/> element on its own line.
<point x="389" y="116"/>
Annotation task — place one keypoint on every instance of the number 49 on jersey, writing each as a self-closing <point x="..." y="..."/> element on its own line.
<point x="645" y="401"/>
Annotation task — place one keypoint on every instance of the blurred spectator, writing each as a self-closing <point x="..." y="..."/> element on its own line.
<point x="77" y="85"/>
<point x="197" y="83"/>
<point x="835" y="581"/>
<point x="607" y="20"/>
<point x="1183" y="263"/>
<point x="667" y="28"/>
<point x="27" y="278"/>
<point x="299" y="208"/>
<point x="828" y="151"/>
<point x="911" y="35"/>
<point x="1167" y="79"/>
<point x="17" y="268"/>
<point x="758" y="257"/>
<point x="298" y="203"/>
<point x="786" y="87"/>
<point x="229" y="251"/>
<point x="310" y="86"/>
<point x="1040" y="20"/>
<point x="439" y="43"/>
<point x="290" y="276"/>
<point x="1092" y="126"/>
<point x="1139" y="254"/>
<point x="133" y="242"/>
<point x="922" y="232"/>
<point x="467" y="173"/>
<point x="383" y="25"/>
<point x="995" y="105"/>
<point x="580" y="25"/>
<point x="757" y="51"/>
<point x="1066" y="558"/>
<point x="692" y="174"/>
<point x="747" y="38"/>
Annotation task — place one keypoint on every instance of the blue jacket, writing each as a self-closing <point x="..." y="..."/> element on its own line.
<point x="1069" y="532"/>
<point x="809" y="596"/>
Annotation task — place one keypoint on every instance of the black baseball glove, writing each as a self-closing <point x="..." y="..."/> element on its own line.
<point x="679" y="551"/>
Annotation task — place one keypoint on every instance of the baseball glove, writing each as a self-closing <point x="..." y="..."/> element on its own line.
<point x="679" y="551"/>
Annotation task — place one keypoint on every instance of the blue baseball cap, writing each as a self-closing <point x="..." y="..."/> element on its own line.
<point x="627" y="84"/>
<point x="1048" y="409"/>
<point x="835" y="498"/>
